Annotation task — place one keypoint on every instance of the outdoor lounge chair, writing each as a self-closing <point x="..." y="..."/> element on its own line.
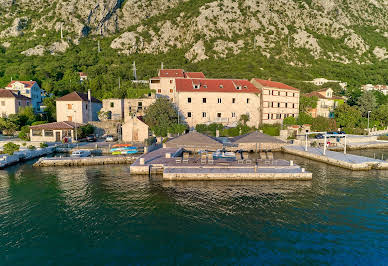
<point x="210" y="158"/>
<point x="178" y="160"/>
<point x="239" y="159"/>
<point x="185" y="157"/>
<point x="270" y="155"/>
<point x="248" y="161"/>
<point x="263" y="156"/>
<point x="203" y="158"/>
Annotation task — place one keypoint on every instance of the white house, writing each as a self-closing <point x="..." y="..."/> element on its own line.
<point x="29" y="89"/>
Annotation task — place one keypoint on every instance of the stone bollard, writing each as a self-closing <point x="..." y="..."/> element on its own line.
<point x="168" y="155"/>
<point x="141" y="161"/>
<point x="291" y="163"/>
<point x="303" y="170"/>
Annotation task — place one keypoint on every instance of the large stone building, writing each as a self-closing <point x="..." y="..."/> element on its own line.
<point x="122" y="109"/>
<point x="165" y="83"/>
<point x="322" y="81"/>
<point x="11" y="102"/>
<point x="135" y="130"/>
<point x="78" y="107"/>
<point x="205" y="101"/>
<point x="278" y="101"/>
<point x="29" y="89"/>
<point x="326" y="104"/>
<point x="54" y="132"/>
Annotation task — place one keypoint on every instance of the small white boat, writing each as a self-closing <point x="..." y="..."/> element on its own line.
<point x="81" y="153"/>
<point x="224" y="154"/>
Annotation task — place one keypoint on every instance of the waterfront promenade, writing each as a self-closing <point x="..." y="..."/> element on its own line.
<point x="348" y="161"/>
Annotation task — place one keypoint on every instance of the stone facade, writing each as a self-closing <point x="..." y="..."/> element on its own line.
<point x="113" y="109"/>
<point x="217" y="107"/>
<point x="135" y="130"/>
<point x="278" y="101"/>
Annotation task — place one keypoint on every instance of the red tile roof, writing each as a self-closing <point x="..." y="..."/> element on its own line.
<point x="195" y="75"/>
<point x="77" y="96"/>
<point x="171" y="73"/>
<point x="27" y="84"/>
<point x="57" y="125"/>
<point x="82" y="74"/>
<point x="273" y="84"/>
<point x="216" y="85"/>
<point x="10" y="94"/>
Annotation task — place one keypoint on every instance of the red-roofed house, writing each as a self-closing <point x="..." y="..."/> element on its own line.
<point x="82" y="76"/>
<point x="29" y="89"/>
<point x="205" y="101"/>
<point x="11" y="102"/>
<point x="326" y="103"/>
<point x="164" y="83"/>
<point x="54" y="132"/>
<point x="278" y="100"/>
<point x="78" y="107"/>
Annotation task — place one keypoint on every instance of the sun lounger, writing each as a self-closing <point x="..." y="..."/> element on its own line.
<point x="248" y="161"/>
<point x="263" y="156"/>
<point x="238" y="158"/>
<point x="269" y="155"/>
<point x="178" y="161"/>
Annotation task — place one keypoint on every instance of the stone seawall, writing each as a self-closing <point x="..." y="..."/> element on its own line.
<point x="98" y="160"/>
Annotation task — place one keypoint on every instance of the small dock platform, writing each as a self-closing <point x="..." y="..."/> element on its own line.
<point x="167" y="161"/>
<point x="347" y="161"/>
<point x="84" y="161"/>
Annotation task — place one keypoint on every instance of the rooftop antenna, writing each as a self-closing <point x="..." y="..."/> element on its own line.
<point x="134" y="70"/>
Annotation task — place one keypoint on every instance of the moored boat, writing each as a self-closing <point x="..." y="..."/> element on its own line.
<point x="80" y="153"/>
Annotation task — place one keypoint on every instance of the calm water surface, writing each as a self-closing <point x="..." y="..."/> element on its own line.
<point x="103" y="216"/>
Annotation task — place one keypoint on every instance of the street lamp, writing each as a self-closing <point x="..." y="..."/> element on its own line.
<point x="368" y="122"/>
<point x="75" y="123"/>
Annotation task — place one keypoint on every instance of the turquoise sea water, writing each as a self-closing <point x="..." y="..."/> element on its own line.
<point x="104" y="216"/>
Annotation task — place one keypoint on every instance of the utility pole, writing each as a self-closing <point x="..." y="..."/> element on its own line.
<point x="99" y="48"/>
<point x="119" y="84"/>
<point x="61" y="30"/>
<point x="288" y="42"/>
<point x="134" y="70"/>
<point x="161" y="67"/>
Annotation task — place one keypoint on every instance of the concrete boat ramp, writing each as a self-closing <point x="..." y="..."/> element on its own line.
<point x="167" y="161"/>
<point x="97" y="160"/>
<point x="348" y="161"/>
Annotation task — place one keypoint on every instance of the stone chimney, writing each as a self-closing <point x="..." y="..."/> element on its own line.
<point x="89" y="96"/>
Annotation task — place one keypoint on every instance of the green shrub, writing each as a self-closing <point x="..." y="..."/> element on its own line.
<point x="31" y="147"/>
<point x="272" y="130"/>
<point x="24" y="133"/>
<point x="10" y="148"/>
<point x="150" y="141"/>
<point x="43" y="145"/>
<point x="201" y="128"/>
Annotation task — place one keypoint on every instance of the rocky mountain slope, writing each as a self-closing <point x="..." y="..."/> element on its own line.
<point x="299" y="31"/>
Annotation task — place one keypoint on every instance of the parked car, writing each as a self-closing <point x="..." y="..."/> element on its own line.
<point x="319" y="136"/>
<point x="341" y="132"/>
<point x="110" y="138"/>
<point x="91" y="138"/>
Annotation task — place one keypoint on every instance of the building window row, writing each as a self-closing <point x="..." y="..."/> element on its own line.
<point x="279" y="116"/>
<point x="282" y="93"/>
<point x="285" y="105"/>
<point x="204" y="114"/>
<point x="219" y="100"/>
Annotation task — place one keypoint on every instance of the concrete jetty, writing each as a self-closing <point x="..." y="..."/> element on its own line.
<point x="167" y="161"/>
<point x="347" y="161"/>
<point x="84" y="161"/>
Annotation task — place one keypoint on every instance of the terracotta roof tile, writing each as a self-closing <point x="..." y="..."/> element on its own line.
<point x="215" y="85"/>
<point x="77" y="96"/>
<point x="10" y="94"/>
<point x="273" y="84"/>
<point x="27" y="84"/>
<point x="171" y="73"/>
<point x="195" y="75"/>
<point x="57" y="125"/>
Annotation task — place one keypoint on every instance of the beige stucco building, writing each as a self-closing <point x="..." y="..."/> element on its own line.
<point x="78" y="107"/>
<point x="11" y="102"/>
<point x="326" y="104"/>
<point x="206" y="101"/>
<point x="135" y="130"/>
<point x="113" y="109"/>
<point x="54" y="132"/>
<point x="165" y="83"/>
<point x="278" y="101"/>
<point x="29" y="89"/>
